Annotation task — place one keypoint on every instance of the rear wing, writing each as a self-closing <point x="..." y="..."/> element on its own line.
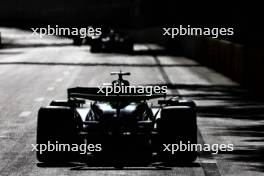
<point x="96" y="94"/>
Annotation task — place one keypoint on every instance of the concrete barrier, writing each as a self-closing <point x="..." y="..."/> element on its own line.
<point x="242" y="63"/>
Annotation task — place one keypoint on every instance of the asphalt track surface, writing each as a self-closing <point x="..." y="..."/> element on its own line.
<point x="34" y="71"/>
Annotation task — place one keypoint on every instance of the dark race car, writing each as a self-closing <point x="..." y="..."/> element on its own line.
<point x="121" y="129"/>
<point x="111" y="42"/>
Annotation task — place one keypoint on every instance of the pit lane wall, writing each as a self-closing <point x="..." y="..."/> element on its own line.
<point x="241" y="62"/>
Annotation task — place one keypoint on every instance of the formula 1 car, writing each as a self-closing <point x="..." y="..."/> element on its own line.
<point x="111" y="42"/>
<point x="119" y="129"/>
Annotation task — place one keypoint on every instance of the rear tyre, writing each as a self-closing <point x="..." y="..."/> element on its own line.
<point x="56" y="127"/>
<point x="177" y="127"/>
